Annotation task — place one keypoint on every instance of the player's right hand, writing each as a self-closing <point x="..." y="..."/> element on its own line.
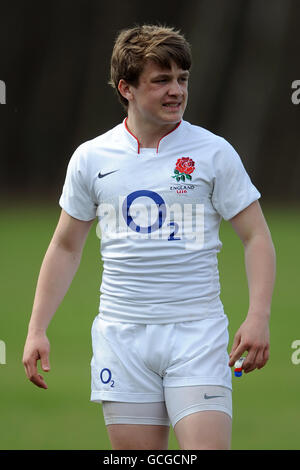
<point x="37" y="347"/>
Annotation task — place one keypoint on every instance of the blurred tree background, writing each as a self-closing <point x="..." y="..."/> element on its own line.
<point x="55" y="59"/>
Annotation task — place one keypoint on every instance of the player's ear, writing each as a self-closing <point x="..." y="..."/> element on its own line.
<point x="125" y="89"/>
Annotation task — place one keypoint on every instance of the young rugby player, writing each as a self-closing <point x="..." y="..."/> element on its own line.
<point x="160" y="187"/>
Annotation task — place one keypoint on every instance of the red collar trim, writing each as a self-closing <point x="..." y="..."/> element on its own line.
<point x="166" y="135"/>
<point x="138" y="142"/>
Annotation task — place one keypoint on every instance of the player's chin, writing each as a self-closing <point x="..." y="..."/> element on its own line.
<point x="172" y="116"/>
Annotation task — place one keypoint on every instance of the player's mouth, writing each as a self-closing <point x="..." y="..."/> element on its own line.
<point x="174" y="106"/>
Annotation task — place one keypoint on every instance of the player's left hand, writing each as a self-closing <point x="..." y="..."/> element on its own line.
<point x="253" y="336"/>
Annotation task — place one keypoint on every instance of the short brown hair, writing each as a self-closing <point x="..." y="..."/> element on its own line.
<point x="133" y="47"/>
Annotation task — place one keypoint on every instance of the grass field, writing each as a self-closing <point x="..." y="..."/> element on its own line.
<point x="266" y="402"/>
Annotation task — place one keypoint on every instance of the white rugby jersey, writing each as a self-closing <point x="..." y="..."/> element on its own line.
<point x="159" y="212"/>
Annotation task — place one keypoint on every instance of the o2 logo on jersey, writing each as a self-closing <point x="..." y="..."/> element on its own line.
<point x="145" y="212"/>
<point x="159" y="202"/>
<point x="106" y="377"/>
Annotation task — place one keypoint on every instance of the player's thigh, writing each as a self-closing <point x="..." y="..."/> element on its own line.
<point x="200" y="415"/>
<point x="204" y="430"/>
<point x="138" y="436"/>
<point x="136" y="425"/>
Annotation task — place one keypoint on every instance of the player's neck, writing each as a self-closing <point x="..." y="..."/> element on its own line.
<point x="148" y="133"/>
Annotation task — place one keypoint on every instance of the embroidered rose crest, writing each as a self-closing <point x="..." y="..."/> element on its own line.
<point x="184" y="167"/>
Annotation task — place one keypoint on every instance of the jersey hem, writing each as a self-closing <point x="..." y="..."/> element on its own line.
<point x="133" y="315"/>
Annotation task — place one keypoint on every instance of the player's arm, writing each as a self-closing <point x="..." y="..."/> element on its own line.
<point x="57" y="271"/>
<point x="253" y="335"/>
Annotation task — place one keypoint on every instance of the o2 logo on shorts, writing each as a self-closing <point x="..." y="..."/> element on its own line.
<point x="106" y="377"/>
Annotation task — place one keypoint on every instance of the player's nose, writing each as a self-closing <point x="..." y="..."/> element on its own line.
<point x="175" y="89"/>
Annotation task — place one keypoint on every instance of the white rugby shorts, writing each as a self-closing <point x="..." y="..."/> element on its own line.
<point x="133" y="363"/>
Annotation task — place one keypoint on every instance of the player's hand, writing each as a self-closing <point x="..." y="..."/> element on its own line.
<point x="252" y="336"/>
<point x="37" y="347"/>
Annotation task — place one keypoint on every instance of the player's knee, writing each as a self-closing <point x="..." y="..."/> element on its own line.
<point x="206" y="447"/>
<point x="195" y="443"/>
<point x="142" y="437"/>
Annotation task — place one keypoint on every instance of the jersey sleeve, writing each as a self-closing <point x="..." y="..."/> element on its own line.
<point x="233" y="190"/>
<point x="76" y="198"/>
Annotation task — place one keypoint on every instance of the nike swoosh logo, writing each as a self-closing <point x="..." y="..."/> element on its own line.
<point x="208" y="397"/>
<point x="101" y="175"/>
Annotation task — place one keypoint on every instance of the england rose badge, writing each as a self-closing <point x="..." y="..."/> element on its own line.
<point x="183" y="169"/>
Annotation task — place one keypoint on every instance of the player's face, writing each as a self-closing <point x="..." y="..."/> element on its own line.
<point x="161" y="95"/>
